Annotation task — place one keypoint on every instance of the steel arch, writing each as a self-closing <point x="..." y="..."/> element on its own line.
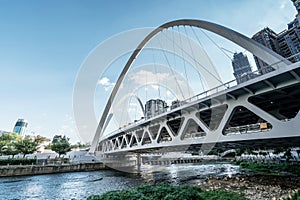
<point x="252" y="46"/>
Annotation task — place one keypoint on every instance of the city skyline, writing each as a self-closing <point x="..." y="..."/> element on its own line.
<point x="43" y="45"/>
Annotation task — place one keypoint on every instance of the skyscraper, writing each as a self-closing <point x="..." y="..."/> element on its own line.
<point x="286" y="43"/>
<point x="297" y="5"/>
<point x="268" y="38"/>
<point x="289" y="43"/>
<point x="20" y="126"/>
<point x="155" y="107"/>
<point x="241" y="68"/>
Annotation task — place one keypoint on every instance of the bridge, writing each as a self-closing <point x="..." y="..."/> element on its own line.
<point x="261" y="112"/>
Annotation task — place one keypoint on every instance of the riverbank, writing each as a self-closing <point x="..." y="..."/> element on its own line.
<point x="258" y="187"/>
<point x="168" y="192"/>
<point x="30" y="170"/>
<point x="255" y="186"/>
<point x="270" y="168"/>
<point x="239" y="188"/>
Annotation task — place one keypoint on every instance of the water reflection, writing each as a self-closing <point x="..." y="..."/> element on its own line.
<point x="184" y="173"/>
<point x="83" y="184"/>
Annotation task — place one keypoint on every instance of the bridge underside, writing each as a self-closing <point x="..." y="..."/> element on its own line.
<point x="263" y="112"/>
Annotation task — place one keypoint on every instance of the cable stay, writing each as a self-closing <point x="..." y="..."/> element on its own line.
<point x="191" y="57"/>
<point x="172" y="71"/>
<point x="184" y="64"/>
<point x="198" y="40"/>
<point x="156" y="74"/>
<point x="174" y="58"/>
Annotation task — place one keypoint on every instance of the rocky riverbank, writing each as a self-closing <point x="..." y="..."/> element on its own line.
<point x="258" y="187"/>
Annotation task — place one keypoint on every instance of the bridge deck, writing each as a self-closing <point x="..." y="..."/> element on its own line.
<point x="257" y="113"/>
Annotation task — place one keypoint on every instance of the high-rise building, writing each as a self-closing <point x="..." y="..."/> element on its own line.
<point x="268" y="38"/>
<point x="241" y="68"/>
<point x="155" y="107"/>
<point x="297" y="5"/>
<point x="289" y="43"/>
<point x="286" y="43"/>
<point x="20" y="126"/>
<point x="297" y="20"/>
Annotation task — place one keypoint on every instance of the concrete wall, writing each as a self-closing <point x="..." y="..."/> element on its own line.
<point x="48" y="169"/>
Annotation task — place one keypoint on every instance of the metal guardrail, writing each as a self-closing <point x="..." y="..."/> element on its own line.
<point x="210" y="92"/>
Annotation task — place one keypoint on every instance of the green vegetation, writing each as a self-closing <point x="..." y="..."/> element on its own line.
<point x="60" y="144"/>
<point x="270" y="167"/>
<point x="41" y="139"/>
<point x="167" y="192"/>
<point x="7" y="144"/>
<point x="294" y="196"/>
<point x="17" y="161"/>
<point x="13" y="144"/>
<point x="26" y="146"/>
<point x="79" y="145"/>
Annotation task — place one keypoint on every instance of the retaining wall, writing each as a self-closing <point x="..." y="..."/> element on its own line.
<point x="23" y="170"/>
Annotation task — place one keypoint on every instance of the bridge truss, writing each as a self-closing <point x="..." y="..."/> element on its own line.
<point x="262" y="112"/>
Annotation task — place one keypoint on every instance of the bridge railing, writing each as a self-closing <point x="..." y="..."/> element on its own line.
<point x="216" y="89"/>
<point x="210" y="92"/>
<point x="234" y="82"/>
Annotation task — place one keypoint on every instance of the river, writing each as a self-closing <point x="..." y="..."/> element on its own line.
<point x="80" y="185"/>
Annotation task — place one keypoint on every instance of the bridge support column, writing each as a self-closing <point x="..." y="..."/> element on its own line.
<point x="138" y="162"/>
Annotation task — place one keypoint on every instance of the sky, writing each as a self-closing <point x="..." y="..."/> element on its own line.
<point x="44" y="43"/>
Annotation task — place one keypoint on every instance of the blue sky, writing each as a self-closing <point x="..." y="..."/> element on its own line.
<point x="43" y="43"/>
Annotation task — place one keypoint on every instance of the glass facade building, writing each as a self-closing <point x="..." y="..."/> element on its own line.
<point x="241" y="68"/>
<point x="155" y="107"/>
<point x="20" y="126"/>
<point x="286" y="43"/>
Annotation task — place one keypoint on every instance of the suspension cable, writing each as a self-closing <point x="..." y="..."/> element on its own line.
<point x="215" y="44"/>
<point x="174" y="57"/>
<point x="156" y="74"/>
<point x="203" y="67"/>
<point x="197" y="38"/>
<point x="189" y="42"/>
<point x="184" y="64"/>
<point x="168" y="62"/>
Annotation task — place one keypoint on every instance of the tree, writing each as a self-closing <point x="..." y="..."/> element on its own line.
<point x="60" y="144"/>
<point x="10" y="137"/>
<point x="10" y="150"/>
<point x="26" y="146"/>
<point x="298" y="153"/>
<point x="288" y="154"/>
<point x="7" y="143"/>
<point x="40" y="139"/>
<point x="2" y="145"/>
<point x="79" y="145"/>
<point x="278" y="150"/>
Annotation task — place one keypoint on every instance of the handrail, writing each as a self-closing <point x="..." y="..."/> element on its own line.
<point x="209" y="92"/>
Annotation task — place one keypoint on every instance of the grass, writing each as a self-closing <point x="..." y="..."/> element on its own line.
<point x="168" y="192"/>
<point x="294" y="196"/>
<point x="270" y="167"/>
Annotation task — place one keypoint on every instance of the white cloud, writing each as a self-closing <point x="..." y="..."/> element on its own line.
<point x="133" y="104"/>
<point x="105" y="82"/>
<point x="282" y="5"/>
<point x="155" y="87"/>
<point x="169" y="93"/>
<point x="143" y="76"/>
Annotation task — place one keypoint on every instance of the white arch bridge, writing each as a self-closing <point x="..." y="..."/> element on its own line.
<point x="262" y="112"/>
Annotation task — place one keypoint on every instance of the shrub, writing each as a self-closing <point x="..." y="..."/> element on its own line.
<point x="167" y="192"/>
<point x="17" y="161"/>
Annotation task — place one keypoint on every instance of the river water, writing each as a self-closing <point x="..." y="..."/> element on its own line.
<point x="80" y="185"/>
